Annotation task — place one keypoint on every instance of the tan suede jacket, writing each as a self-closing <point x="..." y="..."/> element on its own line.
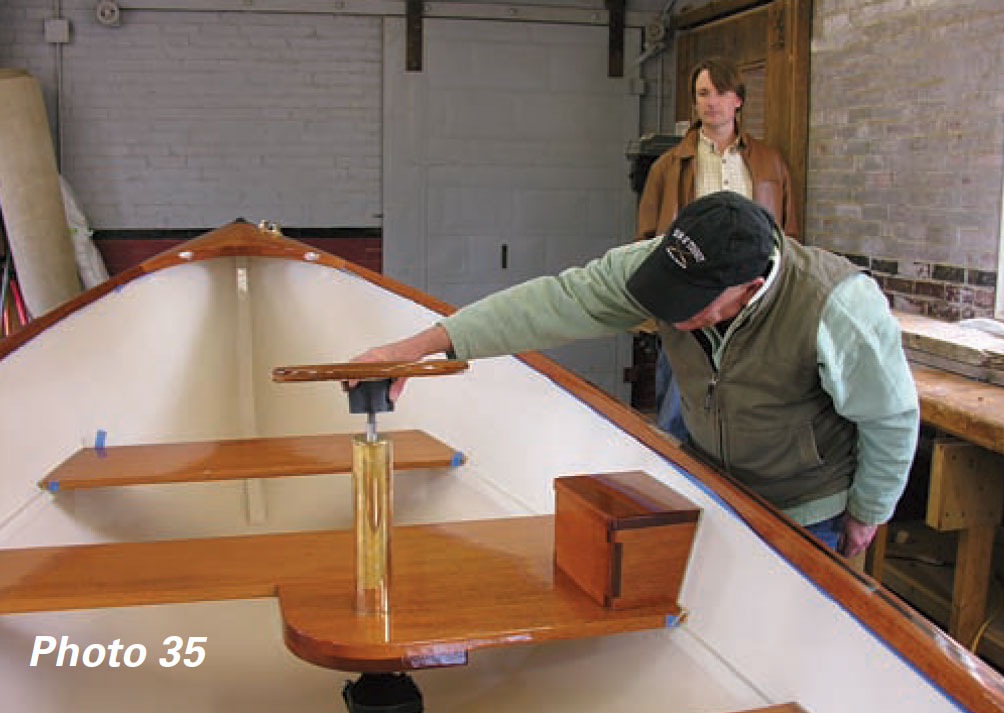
<point x="670" y="185"/>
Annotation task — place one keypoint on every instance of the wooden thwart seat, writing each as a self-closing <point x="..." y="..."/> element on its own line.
<point x="456" y="587"/>
<point x="236" y="458"/>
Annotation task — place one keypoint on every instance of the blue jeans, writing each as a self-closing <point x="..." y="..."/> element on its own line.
<point x="667" y="399"/>
<point x="829" y="531"/>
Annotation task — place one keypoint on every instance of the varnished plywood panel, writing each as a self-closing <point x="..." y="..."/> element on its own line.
<point x="455" y="587"/>
<point x="133" y="573"/>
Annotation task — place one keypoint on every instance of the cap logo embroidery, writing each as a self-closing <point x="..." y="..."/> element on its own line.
<point x="682" y="250"/>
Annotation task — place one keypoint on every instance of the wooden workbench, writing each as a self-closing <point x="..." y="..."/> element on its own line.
<point x="966" y="492"/>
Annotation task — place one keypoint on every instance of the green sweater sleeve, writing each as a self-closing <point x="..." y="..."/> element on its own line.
<point x="579" y="303"/>
<point x="863" y="368"/>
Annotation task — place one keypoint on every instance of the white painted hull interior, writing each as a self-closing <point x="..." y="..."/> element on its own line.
<point x="185" y="354"/>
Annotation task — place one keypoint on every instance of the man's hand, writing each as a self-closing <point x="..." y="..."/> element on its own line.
<point x="430" y="341"/>
<point x="383" y="353"/>
<point x="856" y="536"/>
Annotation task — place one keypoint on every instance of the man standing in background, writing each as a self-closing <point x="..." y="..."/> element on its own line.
<point x="714" y="155"/>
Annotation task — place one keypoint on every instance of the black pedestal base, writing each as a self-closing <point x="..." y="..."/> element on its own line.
<point x="383" y="693"/>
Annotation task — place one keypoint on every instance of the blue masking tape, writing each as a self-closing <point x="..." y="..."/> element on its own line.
<point x="456" y="459"/>
<point x="672" y="620"/>
<point x="99" y="440"/>
<point x="448" y="658"/>
<point x="52" y="486"/>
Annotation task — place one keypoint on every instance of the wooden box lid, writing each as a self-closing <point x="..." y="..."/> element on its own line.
<point x="629" y="499"/>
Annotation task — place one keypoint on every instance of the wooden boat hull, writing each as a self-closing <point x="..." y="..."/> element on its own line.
<point x="182" y="350"/>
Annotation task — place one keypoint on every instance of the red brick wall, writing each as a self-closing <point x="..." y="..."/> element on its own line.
<point x="905" y="153"/>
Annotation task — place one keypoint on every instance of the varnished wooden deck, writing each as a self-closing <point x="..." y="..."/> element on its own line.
<point x="456" y="587"/>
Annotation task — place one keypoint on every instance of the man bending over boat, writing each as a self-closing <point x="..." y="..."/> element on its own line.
<point x="792" y="373"/>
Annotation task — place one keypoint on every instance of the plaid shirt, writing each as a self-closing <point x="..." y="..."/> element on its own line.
<point x="724" y="171"/>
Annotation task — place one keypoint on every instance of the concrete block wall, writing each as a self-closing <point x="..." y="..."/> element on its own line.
<point x="22" y="45"/>
<point x="181" y="119"/>
<point x="192" y="119"/>
<point x="906" y="146"/>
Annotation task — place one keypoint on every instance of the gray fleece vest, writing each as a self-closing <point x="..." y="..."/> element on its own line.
<point x="764" y="417"/>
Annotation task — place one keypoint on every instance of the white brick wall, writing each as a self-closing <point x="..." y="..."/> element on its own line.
<point x="191" y="119"/>
<point x="22" y="44"/>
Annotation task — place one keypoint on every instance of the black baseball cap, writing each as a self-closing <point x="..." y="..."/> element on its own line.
<point x="717" y="241"/>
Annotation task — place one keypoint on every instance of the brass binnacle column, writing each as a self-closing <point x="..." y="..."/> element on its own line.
<point x="371" y="466"/>
<point x="373" y="500"/>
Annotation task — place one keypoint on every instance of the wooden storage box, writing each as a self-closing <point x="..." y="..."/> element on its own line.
<point x="624" y="538"/>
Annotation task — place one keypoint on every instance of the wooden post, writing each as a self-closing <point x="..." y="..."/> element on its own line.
<point x="972" y="577"/>
<point x="615" y="64"/>
<point x="414" y="10"/>
<point x="875" y="558"/>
